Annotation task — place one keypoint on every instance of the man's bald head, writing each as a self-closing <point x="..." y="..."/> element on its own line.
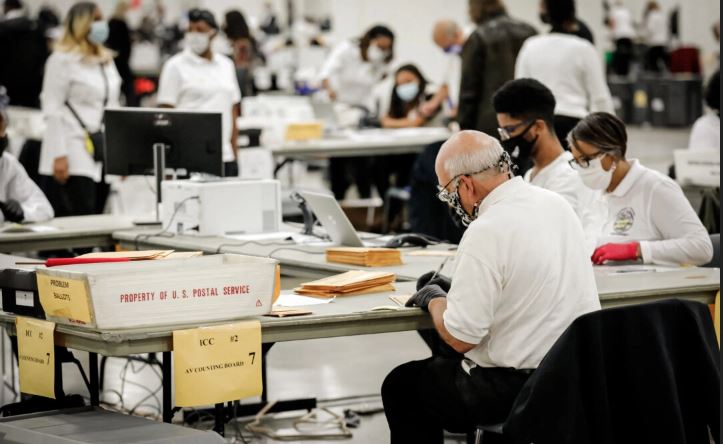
<point x="466" y="152"/>
<point x="446" y="33"/>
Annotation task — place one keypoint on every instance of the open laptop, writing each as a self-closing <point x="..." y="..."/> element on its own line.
<point x="325" y="112"/>
<point x="333" y="219"/>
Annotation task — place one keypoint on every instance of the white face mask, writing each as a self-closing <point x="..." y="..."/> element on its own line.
<point x="595" y="176"/>
<point x="375" y="54"/>
<point x="198" y="42"/>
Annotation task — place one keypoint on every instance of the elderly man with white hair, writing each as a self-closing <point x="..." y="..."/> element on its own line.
<point x="521" y="277"/>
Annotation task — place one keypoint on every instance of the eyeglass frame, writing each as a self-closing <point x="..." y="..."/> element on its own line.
<point x="505" y="132"/>
<point x="443" y="192"/>
<point x="574" y="163"/>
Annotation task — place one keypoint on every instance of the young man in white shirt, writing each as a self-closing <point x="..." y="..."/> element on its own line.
<point x="526" y="113"/>
<point x="202" y="80"/>
<point x="521" y="278"/>
<point x="20" y="198"/>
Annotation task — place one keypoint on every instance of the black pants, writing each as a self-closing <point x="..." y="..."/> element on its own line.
<point x="563" y="126"/>
<point x="79" y="196"/>
<point x="230" y="169"/>
<point x="359" y="168"/>
<point x="656" y="59"/>
<point x="622" y="56"/>
<point x="424" y="398"/>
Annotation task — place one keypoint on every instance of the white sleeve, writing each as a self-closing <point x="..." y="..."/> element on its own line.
<point x="685" y="240"/>
<point x="21" y="188"/>
<point x="595" y="83"/>
<point x="56" y="83"/>
<point x="333" y="62"/>
<point x="169" y="85"/>
<point x="471" y="300"/>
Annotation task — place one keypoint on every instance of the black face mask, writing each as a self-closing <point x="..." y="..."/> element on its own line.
<point x="522" y="158"/>
<point x="3" y="144"/>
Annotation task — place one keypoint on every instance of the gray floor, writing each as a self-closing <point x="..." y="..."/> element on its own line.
<point x="342" y="367"/>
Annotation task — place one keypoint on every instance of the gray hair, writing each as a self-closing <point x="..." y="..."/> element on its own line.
<point x="485" y="157"/>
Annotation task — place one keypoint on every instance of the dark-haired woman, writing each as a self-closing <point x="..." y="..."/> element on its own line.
<point x="245" y="51"/>
<point x="349" y="75"/>
<point x="649" y="219"/>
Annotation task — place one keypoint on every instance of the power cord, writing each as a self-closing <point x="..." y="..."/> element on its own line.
<point x="167" y="227"/>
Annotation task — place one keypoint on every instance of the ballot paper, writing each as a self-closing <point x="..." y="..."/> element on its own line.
<point x="350" y="283"/>
<point x="365" y="257"/>
<point x="130" y="255"/>
<point x="294" y="300"/>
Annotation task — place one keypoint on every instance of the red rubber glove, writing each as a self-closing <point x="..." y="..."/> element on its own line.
<point x="615" y="252"/>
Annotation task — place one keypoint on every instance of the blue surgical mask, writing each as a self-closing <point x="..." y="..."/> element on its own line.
<point x="99" y="32"/>
<point x="454" y="49"/>
<point x="408" y="91"/>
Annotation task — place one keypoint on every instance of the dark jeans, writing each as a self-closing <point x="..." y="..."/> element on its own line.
<point x="424" y="398"/>
<point x="230" y="169"/>
<point x="656" y="59"/>
<point x="622" y="56"/>
<point x="340" y="169"/>
<point x="79" y="196"/>
<point x="563" y="126"/>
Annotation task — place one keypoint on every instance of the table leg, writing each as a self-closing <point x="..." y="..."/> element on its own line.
<point x="94" y="386"/>
<point x="167" y="388"/>
<point x="220" y="424"/>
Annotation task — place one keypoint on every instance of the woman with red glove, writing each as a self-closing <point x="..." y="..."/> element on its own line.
<point x="649" y="218"/>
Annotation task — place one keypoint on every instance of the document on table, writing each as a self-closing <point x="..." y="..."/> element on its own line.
<point x="613" y="270"/>
<point x="287" y="299"/>
<point x="19" y="228"/>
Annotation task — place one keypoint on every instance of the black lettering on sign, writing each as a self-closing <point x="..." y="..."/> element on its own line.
<point x="253" y="357"/>
<point x="206" y="342"/>
<point x="234" y="338"/>
<point x="29" y="333"/>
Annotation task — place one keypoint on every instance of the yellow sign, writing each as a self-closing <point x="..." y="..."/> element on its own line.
<point x="64" y="298"/>
<point x="217" y="364"/>
<point x="36" y="356"/>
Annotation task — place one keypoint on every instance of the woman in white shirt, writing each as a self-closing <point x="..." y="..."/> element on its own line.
<point x="349" y="75"/>
<point x="649" y="218"/>
<point x="199" y="79"/>
<point x="705" y="134"/>
<point x="656" y="37"/>
<point x="80" y="81"/>
<point x="570" y="66"/>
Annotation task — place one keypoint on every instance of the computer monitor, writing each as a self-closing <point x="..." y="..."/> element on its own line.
<point x="193" y="140"/>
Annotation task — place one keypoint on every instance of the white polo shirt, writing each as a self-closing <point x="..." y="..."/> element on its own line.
<point x="650" y="208"/>
<point x="572" y="68"/>
<point x="588" y="204"/>
<point x="191" y="82"/>
<point x="521" y="277"/>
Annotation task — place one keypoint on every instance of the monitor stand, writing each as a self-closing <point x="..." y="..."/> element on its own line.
<point x="159" y="171"/>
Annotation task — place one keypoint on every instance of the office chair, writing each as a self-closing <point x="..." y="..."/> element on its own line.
<point x="640" y="373"/>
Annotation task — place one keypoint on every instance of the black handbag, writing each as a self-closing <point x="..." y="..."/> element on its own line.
<point x="94" y="142"/>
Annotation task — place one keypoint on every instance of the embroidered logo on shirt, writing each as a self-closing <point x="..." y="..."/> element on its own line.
<point x="624" y="221"/>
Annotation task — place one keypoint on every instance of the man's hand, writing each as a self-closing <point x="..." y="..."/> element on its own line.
<point x="422" y="297"/>
<point x="60" y="169"/>
<point x="12" y="211"/>
<point x="616" y="252"/>
<point x="429" y="278"/>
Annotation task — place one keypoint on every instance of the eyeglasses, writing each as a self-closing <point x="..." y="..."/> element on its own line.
<point x="450" y="198"/>
<point x="505" y="132"/>
<point x="584" y="161"/>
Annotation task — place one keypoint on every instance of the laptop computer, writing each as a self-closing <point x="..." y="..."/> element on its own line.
<point x="333" y="219"/>
<point x="325" y="112"/>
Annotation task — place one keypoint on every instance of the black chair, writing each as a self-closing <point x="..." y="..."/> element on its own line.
<point x="642" y="373"/>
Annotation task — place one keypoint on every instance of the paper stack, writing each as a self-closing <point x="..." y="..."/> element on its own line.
<point x="145" y="255"/>
<point x="365" y="257"/>
<point x="349" y="283"/>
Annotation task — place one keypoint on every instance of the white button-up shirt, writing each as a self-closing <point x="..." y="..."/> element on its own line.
<point x="650" y="208"/>
<point x="350" y="76"/>
<point x="588" y="204"/>
<point x="191" y="82"/>
<point x="16" y="185"/>
<point x="68" y="76"/>
<point x="571" y="67"/>
<point x="522" y="276"/>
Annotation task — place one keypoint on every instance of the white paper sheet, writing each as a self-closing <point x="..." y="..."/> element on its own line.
<point x="295" y="300"/>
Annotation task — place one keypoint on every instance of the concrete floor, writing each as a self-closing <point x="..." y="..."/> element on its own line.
<point x="340" y="367"/>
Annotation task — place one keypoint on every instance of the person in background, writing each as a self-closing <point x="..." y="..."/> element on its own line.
<point x="20" y="198"/>
<point x="525" y="111"/>
<point x="199" y="79"/>
<point x="566" y="26"/>
<point x="706" y="130"/>
<point x="622" y="30"/>
<point x="80" y="81"/>
<point x="569" y="66"/>
<point x="119" y="40"/>
<point x="520" y="280"/>
<point x="450" y="38"/>
<point x="488" y="61"/>
<point x="649" y="218"/>
<point x="23" y="51"/>
<point x="349" y="75"/>
<point x="246" y="53"/>
<point x="655" y="32"/>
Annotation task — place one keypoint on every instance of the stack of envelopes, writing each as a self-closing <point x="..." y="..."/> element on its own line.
<point x="145" y="255"/>
<point x="364" y="257"/>
<point x="349" y="283"/>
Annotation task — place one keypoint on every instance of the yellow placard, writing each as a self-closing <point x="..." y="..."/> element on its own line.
<point x="299" y="132"/>
<point x="217" y="364"/>
<point x="64" y="298"/>
<point x="36" y="356"/>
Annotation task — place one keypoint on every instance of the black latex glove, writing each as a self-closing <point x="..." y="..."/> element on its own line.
<point x="427" y="279"/>
<point x="12" y="211"/>
<point x="422" y="297"/>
